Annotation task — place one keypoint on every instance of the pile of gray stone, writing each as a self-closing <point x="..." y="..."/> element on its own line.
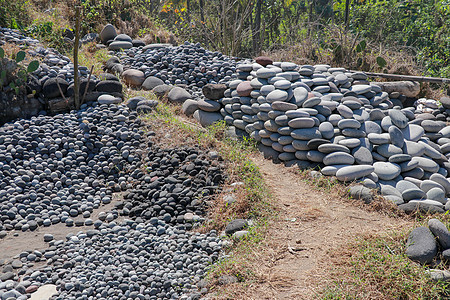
<point x="318" y="116"/>
<point x="429" y="245"/>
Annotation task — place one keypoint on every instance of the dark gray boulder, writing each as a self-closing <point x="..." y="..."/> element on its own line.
<point x="214" y="91"/>
<point x="50" y="88"/>
<point x="151" y="82"/>
<point x="441" y="232"/>
<point x="421" y="246"/>
<point x="236" y="225"/>
<point x="110" y="86"/>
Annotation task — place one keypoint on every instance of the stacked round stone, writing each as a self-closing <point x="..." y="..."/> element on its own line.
<point x="328" y="117"/>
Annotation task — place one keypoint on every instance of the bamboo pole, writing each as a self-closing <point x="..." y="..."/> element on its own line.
<point x="408" y="77"/>
<point x="75" y="58"/>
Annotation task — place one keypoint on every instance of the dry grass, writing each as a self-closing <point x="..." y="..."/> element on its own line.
<point x="375" y="267"/>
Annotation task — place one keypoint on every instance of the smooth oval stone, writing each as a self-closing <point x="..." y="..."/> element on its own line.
<point x="445" y="132"/>
<point x="361" y="89"/>
<point x="301" y="154"/>
<point x="426" y="164"/>
<point x="315" y="156"/>
<point x="354" y="133"/>
<point x="306" y="133"/>
<point x="327" y="130"/>
<point x="437" y="194"/>
<point x="286" y="130"/>
<point x="266" y="89"/>
<point x="330" y="148"/>
<point x="404" y="185"/>
<point x="362" y="155"/>
<point x="282" y="84"/>
<point x="390" y="190"/>
<point x="396" y="136"/>
<point x="351" y="173"/>
<point x="276" y="146"/>
<point x="387" y="150"/>
<point x="265" y="73"/>
<point x="361" y="115"/>
<point x="430" y="151"/>
<point x="353" y="105"/>
<point x="283" y="106"/>
<point x="258" y="83"/>
<point x="386" y="122"/>
<point x="310" y="111"/>
<point x="244" y="89"/>
<point x="349" y="123"/>
<point x="432" y="126"/>
<point x="285" y="140"/>
<point x="315" y="143"/>
<point x="339" y="158"/>
<point x="344" y="111"/>
<point x="379" y="139"/>
<point x="416" y="173"/>
<point x="271" y="125"/>
<point x="234" y="84"/>
<point x="286" y="156"/>
<point x="208" y="105"/>
<point x="300" y="145"/>
<point x="334" y="119"/>
<point x="300" y="95"/>
<point x="301" y="123"/>
<point x="413" y="148"/>
<point x="282" y="120"/>
<point x="427" y="185"/>
<point x="371" y="127"/>
<point x="350" y="142"/>
<point x="398" y="118"/>
<point x="272" y="80"/>
<point x="376" y="114"/>
<point x="331" y="170"/>
<point x="311" y="102"/>
<point x="413" y="132"/>
<point x="421" y="246"/>
<point x="444" y="182"/>
<point x="413" y="194"/>
<point x="399" y="158"/>
<point x="386" y="170"/>
<point x="277" y="95"/>
<point x="292" y="114"/>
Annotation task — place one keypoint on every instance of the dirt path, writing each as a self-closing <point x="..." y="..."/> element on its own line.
<point x="310" y="225"/>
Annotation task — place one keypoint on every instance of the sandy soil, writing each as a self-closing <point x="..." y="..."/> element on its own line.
<point x="294" y="263"/>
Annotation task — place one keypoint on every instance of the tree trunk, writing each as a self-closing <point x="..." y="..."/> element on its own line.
<point x="202" y="13"/>
<point x="347" y="10"/>
<point x="257" y="28"/>
<point x="188" y="10"/>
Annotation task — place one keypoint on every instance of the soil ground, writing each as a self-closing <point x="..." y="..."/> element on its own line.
<point x="311" y="227"/>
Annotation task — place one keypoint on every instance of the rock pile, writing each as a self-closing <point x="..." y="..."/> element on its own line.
<point x="188" y="64"/>
<point x="321" y="116"/>
<point x="151" y="260"/>
<point x="424" y="243"/>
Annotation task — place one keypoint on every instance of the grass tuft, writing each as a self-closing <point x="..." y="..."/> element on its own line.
<point x="375" y="267"/>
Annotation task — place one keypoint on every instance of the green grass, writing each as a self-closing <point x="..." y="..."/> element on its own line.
<point x="375" y="267"/>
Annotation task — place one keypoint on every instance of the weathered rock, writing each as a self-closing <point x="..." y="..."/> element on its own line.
<point x="236" y="225"/>
<point x="133" y="77"/>
<point x="108" y="33"/>
<point x="151" y="82"/>
<point x="207" y="118"/>
<point x="178" y="95"/>
<point x="189" y="107"/>
<point x="214" y="91"/>
<point x="441" y="232"/>
<point x="421" y="245"/>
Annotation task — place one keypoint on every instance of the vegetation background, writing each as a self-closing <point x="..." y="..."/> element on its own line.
<point x="409" y="37"/>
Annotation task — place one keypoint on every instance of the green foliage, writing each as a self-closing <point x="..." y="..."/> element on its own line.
<point x="50" y="33"/>
<point x="381" y="62"/>
<point x="17" y="76"/>
<point x="13" y="14"/>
